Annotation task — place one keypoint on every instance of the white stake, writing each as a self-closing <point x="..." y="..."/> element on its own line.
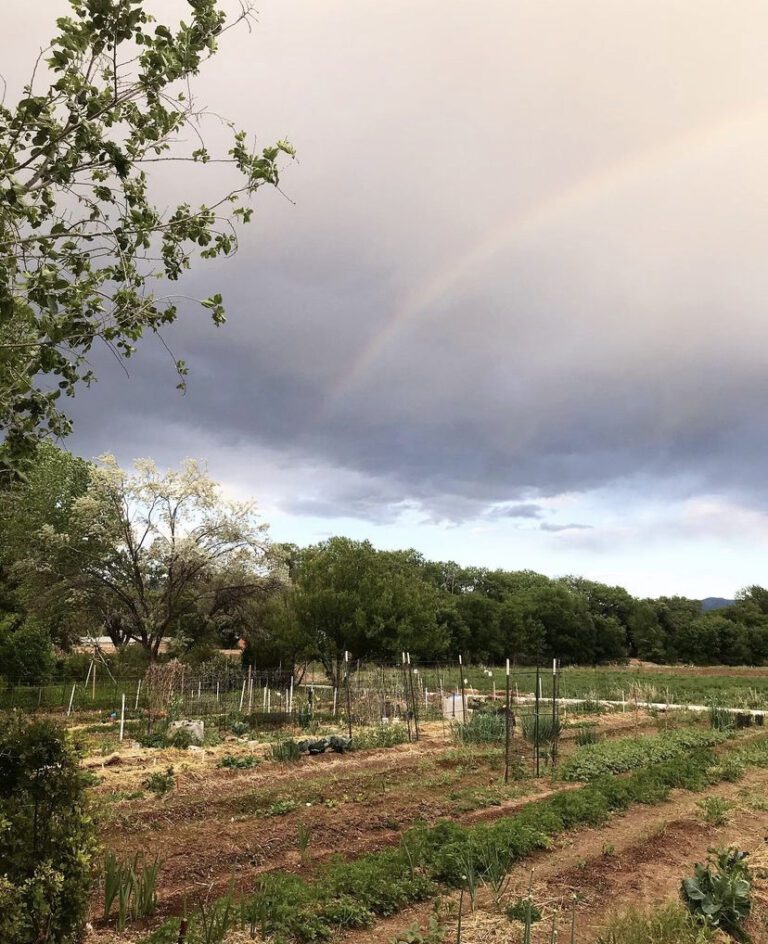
<point x="269" y="700"/>
<point x="138" y="692"/>
<point x="122" y="718"/>
<point x="290" y="700"/>
<point x="242" y="695"/>
<point x="71" y="699"/>
<point x="217" y="691"/>
<point x="334" y="702"/>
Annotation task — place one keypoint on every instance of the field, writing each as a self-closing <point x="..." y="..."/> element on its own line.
<point x="350" y="847"/>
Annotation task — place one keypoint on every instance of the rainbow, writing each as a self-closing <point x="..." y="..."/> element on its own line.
<point x="521" y="225"/>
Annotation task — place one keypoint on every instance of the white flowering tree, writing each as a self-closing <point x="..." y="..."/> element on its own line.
<point x="154" y="555"/>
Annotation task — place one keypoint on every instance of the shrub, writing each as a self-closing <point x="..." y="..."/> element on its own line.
<point x="47" y="836"/>
<point x="160" y="782"/>
<point x="26" y="654"/>
<point x="719" y="893"/>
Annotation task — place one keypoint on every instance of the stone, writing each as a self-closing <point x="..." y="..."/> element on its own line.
<point x="196" y="729"/>
<point x="318" y="746"/>
<point x="340" y="744"/>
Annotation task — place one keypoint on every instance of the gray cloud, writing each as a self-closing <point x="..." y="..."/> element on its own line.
<point x="579" y="254"/>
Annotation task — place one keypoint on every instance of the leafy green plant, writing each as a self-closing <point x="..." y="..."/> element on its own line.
<point x="161" y="782"/>
<point x="239" y="761"/>
<point x="612" y="757"/>
<point x="719" y="893"/>
<point x="523" y="910"/>
<point x="715" y="810"/>
<point x="281" y="807"/>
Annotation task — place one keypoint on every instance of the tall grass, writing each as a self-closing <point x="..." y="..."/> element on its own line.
<point x="670" y="924"/>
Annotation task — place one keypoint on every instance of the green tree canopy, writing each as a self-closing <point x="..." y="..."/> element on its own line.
<point x="84" y="236"/>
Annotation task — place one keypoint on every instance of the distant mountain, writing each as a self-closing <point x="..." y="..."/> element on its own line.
<point x="715" y="603"/>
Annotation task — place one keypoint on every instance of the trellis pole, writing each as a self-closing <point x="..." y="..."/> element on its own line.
<point x="507" y="720"/>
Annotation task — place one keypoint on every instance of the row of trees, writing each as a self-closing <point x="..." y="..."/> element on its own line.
<point x="155" y="559"/>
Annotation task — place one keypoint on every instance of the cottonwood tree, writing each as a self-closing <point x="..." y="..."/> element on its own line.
<point x="151" y="554"/>
<point x="86" y="243"/>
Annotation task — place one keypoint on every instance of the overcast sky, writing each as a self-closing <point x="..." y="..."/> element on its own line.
<point x="515" y="311"/>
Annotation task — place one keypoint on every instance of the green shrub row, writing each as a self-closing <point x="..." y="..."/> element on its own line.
<point x="613" y="757"/>
<point x="348" y="894"/>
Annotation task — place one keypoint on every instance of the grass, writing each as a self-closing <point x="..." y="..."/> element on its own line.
<point x="670" y="924"/>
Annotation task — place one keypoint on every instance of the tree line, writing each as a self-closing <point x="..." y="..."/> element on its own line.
<point x="163" y="562"/>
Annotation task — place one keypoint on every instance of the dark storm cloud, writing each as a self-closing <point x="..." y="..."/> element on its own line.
<point x="613" y="331"/>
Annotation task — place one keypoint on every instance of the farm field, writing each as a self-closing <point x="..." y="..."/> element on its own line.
<point x="306" y="843"/>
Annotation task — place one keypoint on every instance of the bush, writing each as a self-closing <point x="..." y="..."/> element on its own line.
<point x="47" y="836"/>
<point x="26" y="654"/>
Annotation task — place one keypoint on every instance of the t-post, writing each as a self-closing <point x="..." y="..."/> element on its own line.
<point x="463" y="691"/>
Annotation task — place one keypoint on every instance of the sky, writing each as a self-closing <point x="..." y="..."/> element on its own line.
<point x="511" y="305"/>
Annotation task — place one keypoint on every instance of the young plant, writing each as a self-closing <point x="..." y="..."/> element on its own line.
<point x="715" y="810"/>
<point x="287" y="752"/>
<point x="303" y="839"/>
<point x="161" y="783"/>
<point x="719" y="893"/>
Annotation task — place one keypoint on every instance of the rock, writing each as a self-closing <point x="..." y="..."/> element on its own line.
<point x="340" y="744"/>
<point x="196" y="749"/>
<point x="303" y="746"/>
<point x="318" y="746"/>
<point x="196" y="729"/>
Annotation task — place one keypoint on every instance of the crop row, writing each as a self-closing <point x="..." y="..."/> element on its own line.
<point x="354" y="893"/>
<point x="614" y="757"/>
